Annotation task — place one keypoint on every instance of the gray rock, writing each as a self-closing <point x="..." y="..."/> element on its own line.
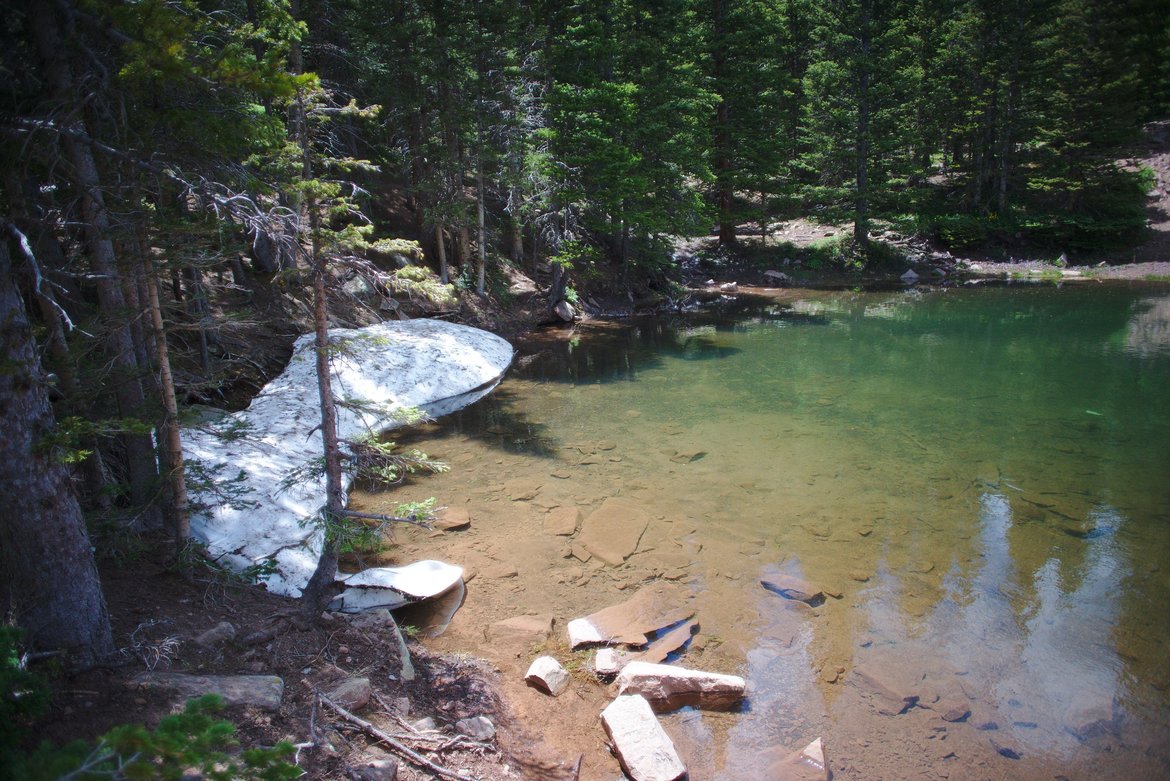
<point x="546" y="673"/>
<point x="643" y="748"/>
<point x="564" y="310"/>
<point x="351" y="694"/>
<point x="478" y="727"/>
<point x="379" y="770"/>
<point x="667" y="687"/>
<point x="220" y="633"/>
<point x="424" y="724"/>
<point x="260" y="691"/>
<point x="909" y="277"/>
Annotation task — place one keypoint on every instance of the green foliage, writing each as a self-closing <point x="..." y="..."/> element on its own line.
<point x="23" y="695"/>
<point x="204" y="479"/>
<point x="421" y="282"/>
<point x="194" y="740"/>
<point x="379" y="462"/>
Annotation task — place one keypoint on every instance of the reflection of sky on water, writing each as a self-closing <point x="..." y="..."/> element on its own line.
<point x="1035" y="651"/>
<point x="1032" y="652"/>
<point x="786" y="709"/>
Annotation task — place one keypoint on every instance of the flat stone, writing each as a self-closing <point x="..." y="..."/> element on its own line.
<point x="452" y="519"/>
<point x="859" y="576"/>
<point x="547" y="674"/>
<point x="808" y="764"/>
<point x="260" y="691"/>
<point x="791" y="587"/>
<point x="613" y="530"/>
<point x="522" y="489"/>
<point x="667" y="687"/>
<point x="651" y="608"/>
<point x="562" y="522"/>
<point x="610" y="661"/>
<point x="527" y="630"/>
<point x="385" y="769"/>
<point x="500" y="571"/>
<point x="643" y="748"/>
<point x="392" y="587"/>
<point x="887" y="695"/>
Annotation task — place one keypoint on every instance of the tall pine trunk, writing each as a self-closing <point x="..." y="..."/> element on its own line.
<point x="51" y="581"/>
<point x="140" y="456"/>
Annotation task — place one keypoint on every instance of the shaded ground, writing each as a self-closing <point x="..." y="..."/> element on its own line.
<point x="157" y="615"/>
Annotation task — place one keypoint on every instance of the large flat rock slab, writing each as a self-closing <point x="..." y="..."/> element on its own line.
<point x="613" y="530"/>
<point x="652" y="607"/>
<point x="260" y="691"/>
<point x="248" y="510"/>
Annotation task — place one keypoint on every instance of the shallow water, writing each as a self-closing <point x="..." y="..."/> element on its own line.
<point x="982" y="475"/>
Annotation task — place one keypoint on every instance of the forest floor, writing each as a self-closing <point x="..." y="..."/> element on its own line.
<point x="157" y="614"/>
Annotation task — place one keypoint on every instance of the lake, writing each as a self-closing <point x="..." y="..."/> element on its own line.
<point x="979" y="478"/>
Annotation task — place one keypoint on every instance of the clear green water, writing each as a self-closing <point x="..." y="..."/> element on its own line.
<point x="982" y="475"/>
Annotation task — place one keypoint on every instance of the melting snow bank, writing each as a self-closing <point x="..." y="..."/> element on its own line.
<point x="237" y="463"/>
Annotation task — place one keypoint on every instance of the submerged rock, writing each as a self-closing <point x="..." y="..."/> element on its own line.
<point x="610" y="661"/>
<point x="808" y="764"/>
<point x="613" y="530"/>
<point x="794" y="588"/>
<point x="651" y="608"/>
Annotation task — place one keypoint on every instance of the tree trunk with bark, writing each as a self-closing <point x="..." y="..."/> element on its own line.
<point x="141" y="464"/>
<point x="51" y="582"/>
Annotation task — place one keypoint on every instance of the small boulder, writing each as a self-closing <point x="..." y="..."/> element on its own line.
<point x="351" y="694"/>
<point x="667" y="687"/>
<point x="643" y="748"/>
<point x="220" y="633"/>
<point x="547" y="674"/>
<point x="564" y="310"/>
<point x="452" y="519"/>
<point x="477" y="727"/>
<point x="909" y="277"/>
<point x="385" y="769"/>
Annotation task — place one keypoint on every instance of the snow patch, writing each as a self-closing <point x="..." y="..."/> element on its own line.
<point x="245" y="515"/>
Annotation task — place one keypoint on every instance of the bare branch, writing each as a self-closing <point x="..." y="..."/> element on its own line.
<point x="38" y="279"/>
